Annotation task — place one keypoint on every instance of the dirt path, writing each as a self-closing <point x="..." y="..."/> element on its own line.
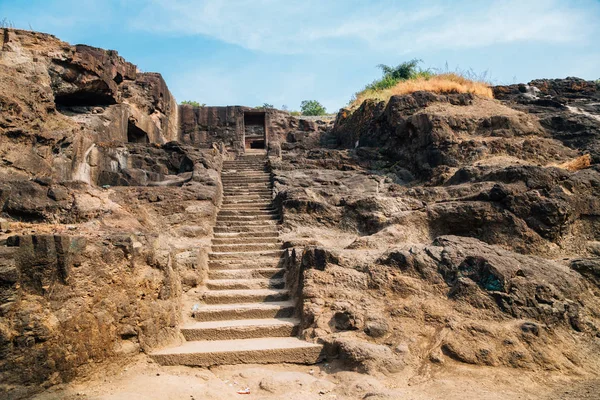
<point x="143" y="379"/>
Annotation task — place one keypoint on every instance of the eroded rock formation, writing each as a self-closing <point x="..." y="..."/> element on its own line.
<point x="445" y="228"/>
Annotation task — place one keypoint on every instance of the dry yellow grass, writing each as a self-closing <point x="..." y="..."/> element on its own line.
<point x="442" y="83"/>
<point x="577" y="164"/>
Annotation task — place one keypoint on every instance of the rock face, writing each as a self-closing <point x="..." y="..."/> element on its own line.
<point x="568" y="108"/>
<point x="105" y="221"/>
<point x="463" y="226"/>
<point x="59" y="102"/>
<point x="104" y="274"/>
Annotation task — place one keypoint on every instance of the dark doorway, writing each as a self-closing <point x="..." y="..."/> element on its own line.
<point x="135" y="134"/>
<point x="254" y="126"/>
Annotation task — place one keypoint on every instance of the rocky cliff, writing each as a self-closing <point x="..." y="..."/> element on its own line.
<point x="105" y="222"/>
<point x="448" y="228"/>
<point x="60" y="103"/>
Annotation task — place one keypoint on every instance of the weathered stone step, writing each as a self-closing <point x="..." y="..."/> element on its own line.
<point x="240" y="284"/>
<point x="233" y="296"/>
<point x="270" y="262"/>
<point x="260" y="161"/>
<point x="238" y="190"/>
<point x="245" y="179"/>
<point x="240" y="235"/>
<point x="255" y="205"/>
<point x="220" y="248"/>
<point x="221" y="312"/>
<point x="244" y="170"/>
<point x="246" y="222"/>
<point x="241" y="329"/>
<point x="245" y="166"/>
<point x="246" y="182"/>
<point x="256" y="273"/>
<point x="247" y="209"/>
<point x="247" y="199"/>
<point x="242" y="351"/>
<point x="245" y="255"/>
<point x="251" y="188"/>
<point x="265" y="194"/>
<point x="248" y="212"/>
<point x="265" y="218"/>
<point x="246" y="228"/>
<point x="247" y="186"/>
<point x="246" y="240"/>
<point x="246" y="174"/>
<point x="253" y="178"/>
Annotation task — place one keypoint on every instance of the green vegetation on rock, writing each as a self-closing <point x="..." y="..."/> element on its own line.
<point x="193" y="103"/>
<point x="312" y="107"/>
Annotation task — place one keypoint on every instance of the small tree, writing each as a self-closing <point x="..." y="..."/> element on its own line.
<point x="193" y="103"/>
<point x="312" y="107"/>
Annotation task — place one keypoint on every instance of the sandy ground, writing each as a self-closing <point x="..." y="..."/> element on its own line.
<point x="143" y="379"/>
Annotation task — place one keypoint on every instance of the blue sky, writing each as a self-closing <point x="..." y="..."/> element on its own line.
<point x="248" y="52"/>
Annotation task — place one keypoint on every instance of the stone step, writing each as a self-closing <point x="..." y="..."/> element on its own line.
<point x="247" y="209"/>
<point x="254" y="167"/>
<point x="222" y="312"/>
<point x="247" y="255"/>
<point x="223" y="248"/>
<point x="257" y="161"/>
<point x="240" y="235"/>
<point x="270" y="228"/>
<point x="256" y="262"/>
<point x="246" y="174"/>
<point x="237" y="178"/>
<point x="264" y="218"/>
<point x="261" y="161"/>
<point x="256" y="273"/>
<point x="252" y="199"/>
<point x="244" y="170"/>
<point x="246" y="182"/>
<point x="238" y="190"/>
<point x="264" y="194"/>
<point x="251" y="188"/>
<point x="246" y="222"/>
<point x="247" y="198"/>
<point x="255" y="205"/>
<point x="236" y="296"/>
<point x="241" y="329"/>
<point x="240" y="284"/>
<point x="246" y="240"/>
<point x="248" y="212"/>
<point x="241" y="351"/>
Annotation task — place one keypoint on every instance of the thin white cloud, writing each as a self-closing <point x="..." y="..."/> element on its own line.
<point x="311" y="26"/>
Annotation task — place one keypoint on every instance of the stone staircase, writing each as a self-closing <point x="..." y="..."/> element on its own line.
<point x="246" y="315"/>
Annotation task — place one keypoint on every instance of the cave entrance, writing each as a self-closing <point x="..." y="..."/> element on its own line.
<point x="135" y="134"/>
<point x="254" y="130"/>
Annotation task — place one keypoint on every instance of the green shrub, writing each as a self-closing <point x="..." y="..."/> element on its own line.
<point x="402" y="72"/>
<point x="295" y="113"/>
<point x="193" y="103"/>
<point x="312" y="107"/>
